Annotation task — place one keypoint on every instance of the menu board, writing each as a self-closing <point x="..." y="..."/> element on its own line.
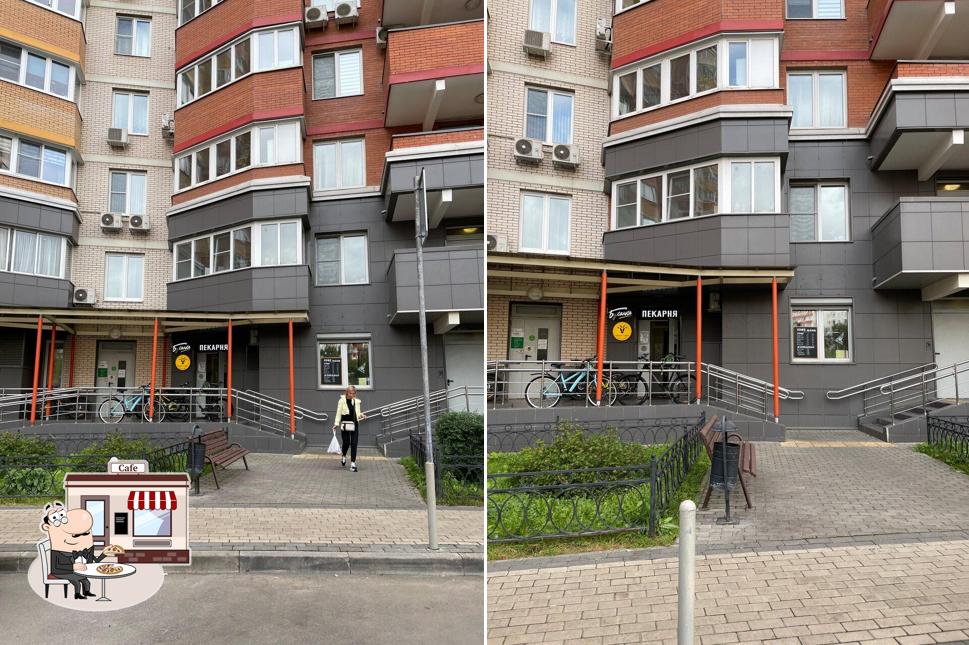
<point x="805" y="342"/>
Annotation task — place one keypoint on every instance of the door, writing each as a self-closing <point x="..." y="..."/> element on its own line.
<point x="57" y="381"/>
<point x="98" y="508"/>
<point x="534" y="335"/>
<point x="115" y="367"/>
<point x="950" y="319"/>
<point x="463" y="361"/>
<point x="210" y="372"/>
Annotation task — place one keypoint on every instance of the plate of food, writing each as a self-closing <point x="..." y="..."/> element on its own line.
<point x="109" y="569"/>
<point x="113" y="549"/>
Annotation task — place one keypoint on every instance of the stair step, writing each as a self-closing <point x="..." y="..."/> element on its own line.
<point x="873" y="430"/>
<point x="884" y="421"/>
<point x="938" y="405"/>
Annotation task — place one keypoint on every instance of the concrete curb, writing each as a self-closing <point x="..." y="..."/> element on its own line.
<point x="308" y="562"/>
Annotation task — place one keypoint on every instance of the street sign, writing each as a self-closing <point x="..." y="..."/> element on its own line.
<point x="420" y="212"/>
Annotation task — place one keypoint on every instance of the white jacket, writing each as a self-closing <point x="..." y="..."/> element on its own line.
<point x="343" y="409"/>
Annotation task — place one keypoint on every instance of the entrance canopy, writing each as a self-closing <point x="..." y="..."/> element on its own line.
<point x="127" y="323"/>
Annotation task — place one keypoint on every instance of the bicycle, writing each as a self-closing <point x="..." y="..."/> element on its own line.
<point x="116" y="407"/>
<point x="667" y="381"/>
<point x="549" y="387"/>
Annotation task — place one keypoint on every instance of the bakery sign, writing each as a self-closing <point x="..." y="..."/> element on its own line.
<point x="181" y="348"/>
<point x="659" y="313"/>
<point x="620" y="313"/>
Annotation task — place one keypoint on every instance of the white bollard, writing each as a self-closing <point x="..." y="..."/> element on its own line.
<point x="687" y="583"/>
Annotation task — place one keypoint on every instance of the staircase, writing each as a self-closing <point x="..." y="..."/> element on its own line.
<point x="401" y="419"/>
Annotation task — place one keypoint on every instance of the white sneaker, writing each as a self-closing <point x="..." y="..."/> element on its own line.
<point x="353" y="466"/>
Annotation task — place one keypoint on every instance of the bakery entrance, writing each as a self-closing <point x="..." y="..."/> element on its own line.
<point x="657" y="338"/>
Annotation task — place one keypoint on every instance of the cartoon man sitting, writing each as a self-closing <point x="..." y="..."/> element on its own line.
<point x="71" y="546"/>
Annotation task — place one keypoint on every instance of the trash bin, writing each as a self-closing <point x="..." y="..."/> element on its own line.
<point x="196" y="462"/>
<point x="724" y="472"/>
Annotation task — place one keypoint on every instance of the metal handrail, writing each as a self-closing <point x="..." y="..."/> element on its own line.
<point x="911" y="391"/>
<point x="876" y="383"/>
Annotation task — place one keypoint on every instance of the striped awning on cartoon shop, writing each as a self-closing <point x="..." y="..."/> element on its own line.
<point x="152" y="500"/>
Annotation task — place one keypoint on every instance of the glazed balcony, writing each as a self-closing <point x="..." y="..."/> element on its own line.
<point x="918" y="29"/>
<point x="407" y="13"/>
<point x="435" y="74"/>
<point x="61" y="122"/>
<point x="228" y="19"/>
<point x="276" y="288"/>
<point x="49" y="31"/>
<point x="453" y="284"/>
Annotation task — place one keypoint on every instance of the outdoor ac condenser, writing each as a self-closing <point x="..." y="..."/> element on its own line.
<point x="529" y="150"/>
<point x="537" y="43"/>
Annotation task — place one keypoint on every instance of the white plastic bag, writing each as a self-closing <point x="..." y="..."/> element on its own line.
<point x="334" y="446"/>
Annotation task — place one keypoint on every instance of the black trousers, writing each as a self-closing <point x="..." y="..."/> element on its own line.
<point x="82" y="584"/>
<point x="349" y="442"/>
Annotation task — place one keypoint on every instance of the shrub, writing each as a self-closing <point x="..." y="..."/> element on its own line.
<point x="460" y="433"/>
<point x="17" y="449"/>
<point x="95" y="457"/>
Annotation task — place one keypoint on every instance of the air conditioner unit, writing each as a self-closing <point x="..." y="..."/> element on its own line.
<point x="84" y="296"/>
<point x="314" y="17"/>
<point x="565" y="156"/>
<point x="138" y="223"/>
<point x="603" y="36"/>
<point x="498" y="243"/>
<point x="529" y="150"/>
<point x="346" y="12"/>
<point x="168" y="126"/>
<point x="537" y="43"/>
<point x="117" y="137"/>
<point x="382" y="37"/>
<point x="111" y="221"/>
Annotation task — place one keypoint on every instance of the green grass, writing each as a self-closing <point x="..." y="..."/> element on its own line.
<point x="668" y="529"/>
<point x="454" y="491"/>
<point x="950" y="457"/>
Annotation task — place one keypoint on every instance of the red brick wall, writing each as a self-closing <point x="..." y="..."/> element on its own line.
<point x="39" y="26"/>
<point x="876" y="11"/>
<point x="376" y="144"/>
<point x="416" y="50"/>
<point x="929" y="68"/>
<point x="241" y="178"/>
<point x="733" y="97"/>
<point x="438" y="138"/>
<point x="227" y="20"/>
<point x="850" y="34"/>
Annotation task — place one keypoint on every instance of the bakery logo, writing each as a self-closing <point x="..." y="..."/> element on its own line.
<point x="619" y="313"/>
<point x="181" y="348"/>
<point x="88" y="558"/>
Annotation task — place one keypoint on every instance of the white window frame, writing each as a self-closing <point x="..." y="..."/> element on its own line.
<point x="11" y="253"/>
<point x="722" y="44"/>
<point x="817" y="186"/>
<point x="124" y="268"/>
<point x="254" y="160"/>
<point x="49" y="5"/>
<point x="255" y="246"/>
<point x="344" y="340"/>
<point x="724" y="187"/>
<point x="131" y="110"/>
<point x="69" y="168"/>
<point x="546" y="198"/>
<point x="620" y="8"/>
<point x="253" y="38"/>
<point x="134" y="34"/>
<point x="338" y="143"/>
<point x="342" y="237"/>
<point x="816" y="97"/>
<point x="819" y="306"/>
<point x="127" y="194"/>
<point x="198" y="10"/>
<point x="553" y="19"/>
<point x="814" y="12"/>
<point x="49" y="63"/>
<point x="549" y="120"/>
<point x="337" y="56"/>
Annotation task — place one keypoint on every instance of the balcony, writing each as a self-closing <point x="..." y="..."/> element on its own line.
<point x="61" y="123"/>
<point x="49" y="31"/>
<point x="918" y="29"/>
<point x="455" y="178"/>
<point x="727" y="240"/>
<point x="435" y="74"/>
<point x="921" y="124"/>
<point x="228" y="19"/>
<point x="923" y="243"/>
<point x="453" y="286"/>
<point x="280" y="288"/>
<point x="19" y="290"/>
<point x="407" y="13"/>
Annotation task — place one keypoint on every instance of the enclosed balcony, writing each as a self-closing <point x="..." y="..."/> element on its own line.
<point x="407" y="13"/>
<point x="454" y="176"/>
<point x="918" y="29"/>
<point x="274" y="288"/>
<point x="453" y="286"/>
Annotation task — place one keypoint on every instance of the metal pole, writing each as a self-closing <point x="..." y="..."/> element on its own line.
<point x="601" y="346"/>
<point x="686" y="593"/>
<point x="228" y="376"/>
<point x="429" y="478"/>
<point x="777" y="378"/>
<point x="292" y="386"/>
<point x="151" y="381"/>
<point x="699" y="339"/>
<point x="40" y="339"/>
<point x="50" y="367"/>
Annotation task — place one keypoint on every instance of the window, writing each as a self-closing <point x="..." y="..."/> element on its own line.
<point x="189" y="9"/>
<point x="10" y="56"/>
<point x="342" y="259"/>
<point x="6" y="146"/>
<point x="36" y="71"/>
<point x="66" y="7"/>
<point x="545" y="223"/>
<point x="152" y="523"/>
<point x="133" y="36"/>
<point x="280" y="244"/>
<point x="819" y="213"/>
<point x="124" y="277"/>
<point x="344" y="363"/>
<point x="821" y="332"/>
<point x="276" y="49"/>
<point x="230" y="250"/>
<point x="556" y="17"/>
<point x="818" y="9"/>
<point x="548" y="115"/>
<point x="338" y="164"/>
<point x="127" y="193"/>
<point x="37" y="161"/>
<point x="130" y="112"/>
<point x="748" y="63"/>
<point x="38" y="254"/>
<point x="752" y="187"/>
<point x="818" y="99"/>
<point x="338" y="74"/>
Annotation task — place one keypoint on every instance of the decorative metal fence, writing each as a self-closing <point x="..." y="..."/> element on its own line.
<point x="458" y="479"/>
<point x="512" y="437"/>
<point x="950" y="434"/>
<point x="589" y="501"/>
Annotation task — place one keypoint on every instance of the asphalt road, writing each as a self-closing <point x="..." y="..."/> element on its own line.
<point x="262" y="608"/>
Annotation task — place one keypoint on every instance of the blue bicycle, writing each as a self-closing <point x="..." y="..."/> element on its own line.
<point x="547" y="389"/>
<point x="114" y="409"/>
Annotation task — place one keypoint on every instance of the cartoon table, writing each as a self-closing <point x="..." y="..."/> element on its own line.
<point x="92" y="572"/>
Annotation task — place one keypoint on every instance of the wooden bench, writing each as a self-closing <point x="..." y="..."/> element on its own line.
<point x="748" y="456"/>
<point x="219" y="452"/>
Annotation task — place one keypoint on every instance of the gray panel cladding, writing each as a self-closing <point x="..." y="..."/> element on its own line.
<point x="284" y="288"/>
<point x="248" y="207"/>
<point x="767" y="136"/>
<point x="729" y="240"/>
<point x="918" y="111"/>
<point x="458" y="171"/>
<point x="19" y="290"/>
<point x="453" y="279"/>
<point x="921" y="234"/>
<point x="24" y="214"/>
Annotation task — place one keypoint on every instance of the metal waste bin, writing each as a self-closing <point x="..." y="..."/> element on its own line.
<point x="724" y="472"/>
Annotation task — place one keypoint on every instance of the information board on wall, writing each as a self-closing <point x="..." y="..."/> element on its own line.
<point x="805" y="342"/>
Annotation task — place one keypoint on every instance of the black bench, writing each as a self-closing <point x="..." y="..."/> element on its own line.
<point x="220" y="452"/>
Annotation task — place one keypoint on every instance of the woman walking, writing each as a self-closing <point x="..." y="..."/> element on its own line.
<point x="349" y="412"/>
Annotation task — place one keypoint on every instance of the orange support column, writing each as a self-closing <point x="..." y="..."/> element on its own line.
<point x="40" y="338"/>
<point x="70" y="373"/>
<point x="292" y="386"/>
<point x="164" y="381"/>
<point x="699" y="338"/>
<point x="50" y="364"/>
<point x="601" y="345"/>
<point x="228" y="378"/>
<point x="151" y="380"/>
<point x="777" y="387"/>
